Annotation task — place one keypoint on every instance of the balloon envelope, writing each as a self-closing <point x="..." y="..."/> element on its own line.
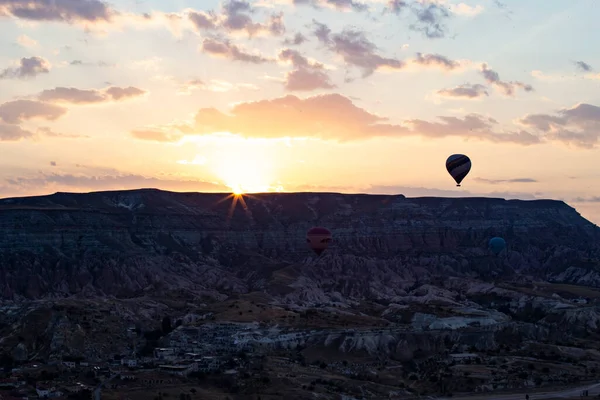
<point x="496" y="245"/>
<point x="458" y="166"/>
<point x="318" y="239"/>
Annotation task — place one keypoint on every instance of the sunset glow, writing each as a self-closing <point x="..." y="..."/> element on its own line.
<point x="359" y="96"/>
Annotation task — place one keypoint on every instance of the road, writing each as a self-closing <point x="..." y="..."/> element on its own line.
<point x="594" y="390"/>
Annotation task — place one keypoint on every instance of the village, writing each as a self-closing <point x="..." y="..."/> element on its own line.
<point x="190" y="351"/>
<point x="237" y="351"/>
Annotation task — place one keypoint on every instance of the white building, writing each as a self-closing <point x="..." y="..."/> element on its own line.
<point x="165" y="353"/>
<point x="130" y="362"/>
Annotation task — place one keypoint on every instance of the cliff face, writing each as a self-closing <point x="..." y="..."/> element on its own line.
<point x="126" y="243"/>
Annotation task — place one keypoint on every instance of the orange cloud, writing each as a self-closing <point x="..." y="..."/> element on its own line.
<point x="67" y="95"/>
<point x="17" y="111"/>
<point x="328" y="117"/>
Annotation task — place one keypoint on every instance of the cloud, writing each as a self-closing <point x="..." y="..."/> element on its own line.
<point x="26" y="41"/>
<point x="578" y="126"/>
<point x="28" y="68"/>
<point x="156" y="135"/>
<point x="225" y="49"/>
<point x="17" y="111"/>
<point x="235" y="17"/>
<point x="305" y="79"/>
<point x="319" y="117"/>
<point x="562" y="77"/>
<point x="436" y="60"/>
<point x="119" y="93"/>
<point x="69" y="11"/>
<point x="430" y="19"/>
<point x="465" y="9"/>
<point x="340" y="5"/>
<point x="90" y="64"/>
<point x="583" y="66"/>
<point x="466" y="91"/>
<point x="316" y="116"/>
<point x="472" y="126"/>
<point x="47" y="132"/>
<point x="297" y="40"/>
<point x="306" y="75"/>
<point x="396" y="6"/>
<point x="498" y="181"/>
<point x="13" y="133"/>
<point x="67" y="95"/>
<point x="593" y="199"/>
<point x="507" y="88"/>
<point x="428" y="192"/>
<point x="213" y="85"/>
<point x="188" y="87"/>
<point x="355" y="49"/>
<point x="47" y="182"/>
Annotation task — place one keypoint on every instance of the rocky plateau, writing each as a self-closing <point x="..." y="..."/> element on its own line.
<point x="405" y="279"/>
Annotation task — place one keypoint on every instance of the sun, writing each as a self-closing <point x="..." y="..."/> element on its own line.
<point x="245" y="170"/>
<point x="237" y="190"/>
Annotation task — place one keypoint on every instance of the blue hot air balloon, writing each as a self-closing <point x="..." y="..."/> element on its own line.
<point x="496" y="245"/>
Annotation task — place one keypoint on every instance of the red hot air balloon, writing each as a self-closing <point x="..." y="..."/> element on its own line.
<point x="318" y="239"/>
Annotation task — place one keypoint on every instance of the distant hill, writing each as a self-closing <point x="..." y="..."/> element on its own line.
<point x="123" y="243"/>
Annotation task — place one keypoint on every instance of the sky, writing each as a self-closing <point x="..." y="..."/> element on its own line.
<point x="346" y="96"/>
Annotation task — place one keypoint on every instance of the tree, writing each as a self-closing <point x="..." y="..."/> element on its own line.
<point x="7" y="362"/>
<point x="523" y="375"/>
<point x="166" y="325"/>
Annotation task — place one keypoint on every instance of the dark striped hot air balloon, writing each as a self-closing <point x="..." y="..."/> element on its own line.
<point x="318" y="239"/>
<point x="458" y="166"/>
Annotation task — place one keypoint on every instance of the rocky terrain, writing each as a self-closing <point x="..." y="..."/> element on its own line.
<point x="406" y="280"/>
<point x="125" y="243"/>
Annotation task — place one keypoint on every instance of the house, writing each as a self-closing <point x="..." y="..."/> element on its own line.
<point x="74" y="388"/>
<point x="43" y="393"/>
<point x="164" y="353"/>
<point x="131" y="363"/>
<point x="69" y="364"/>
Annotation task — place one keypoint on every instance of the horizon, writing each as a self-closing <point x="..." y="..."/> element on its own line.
<point x="250" y="194"/>
<point x="316" y="96"/>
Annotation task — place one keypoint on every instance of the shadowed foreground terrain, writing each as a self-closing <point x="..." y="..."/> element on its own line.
<point x="408" y="301"/>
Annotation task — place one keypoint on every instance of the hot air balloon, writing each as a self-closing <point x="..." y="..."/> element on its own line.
<point x="458" y="166"/>
<point x="318" y="239"/>
<point x="496" y="245"/>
